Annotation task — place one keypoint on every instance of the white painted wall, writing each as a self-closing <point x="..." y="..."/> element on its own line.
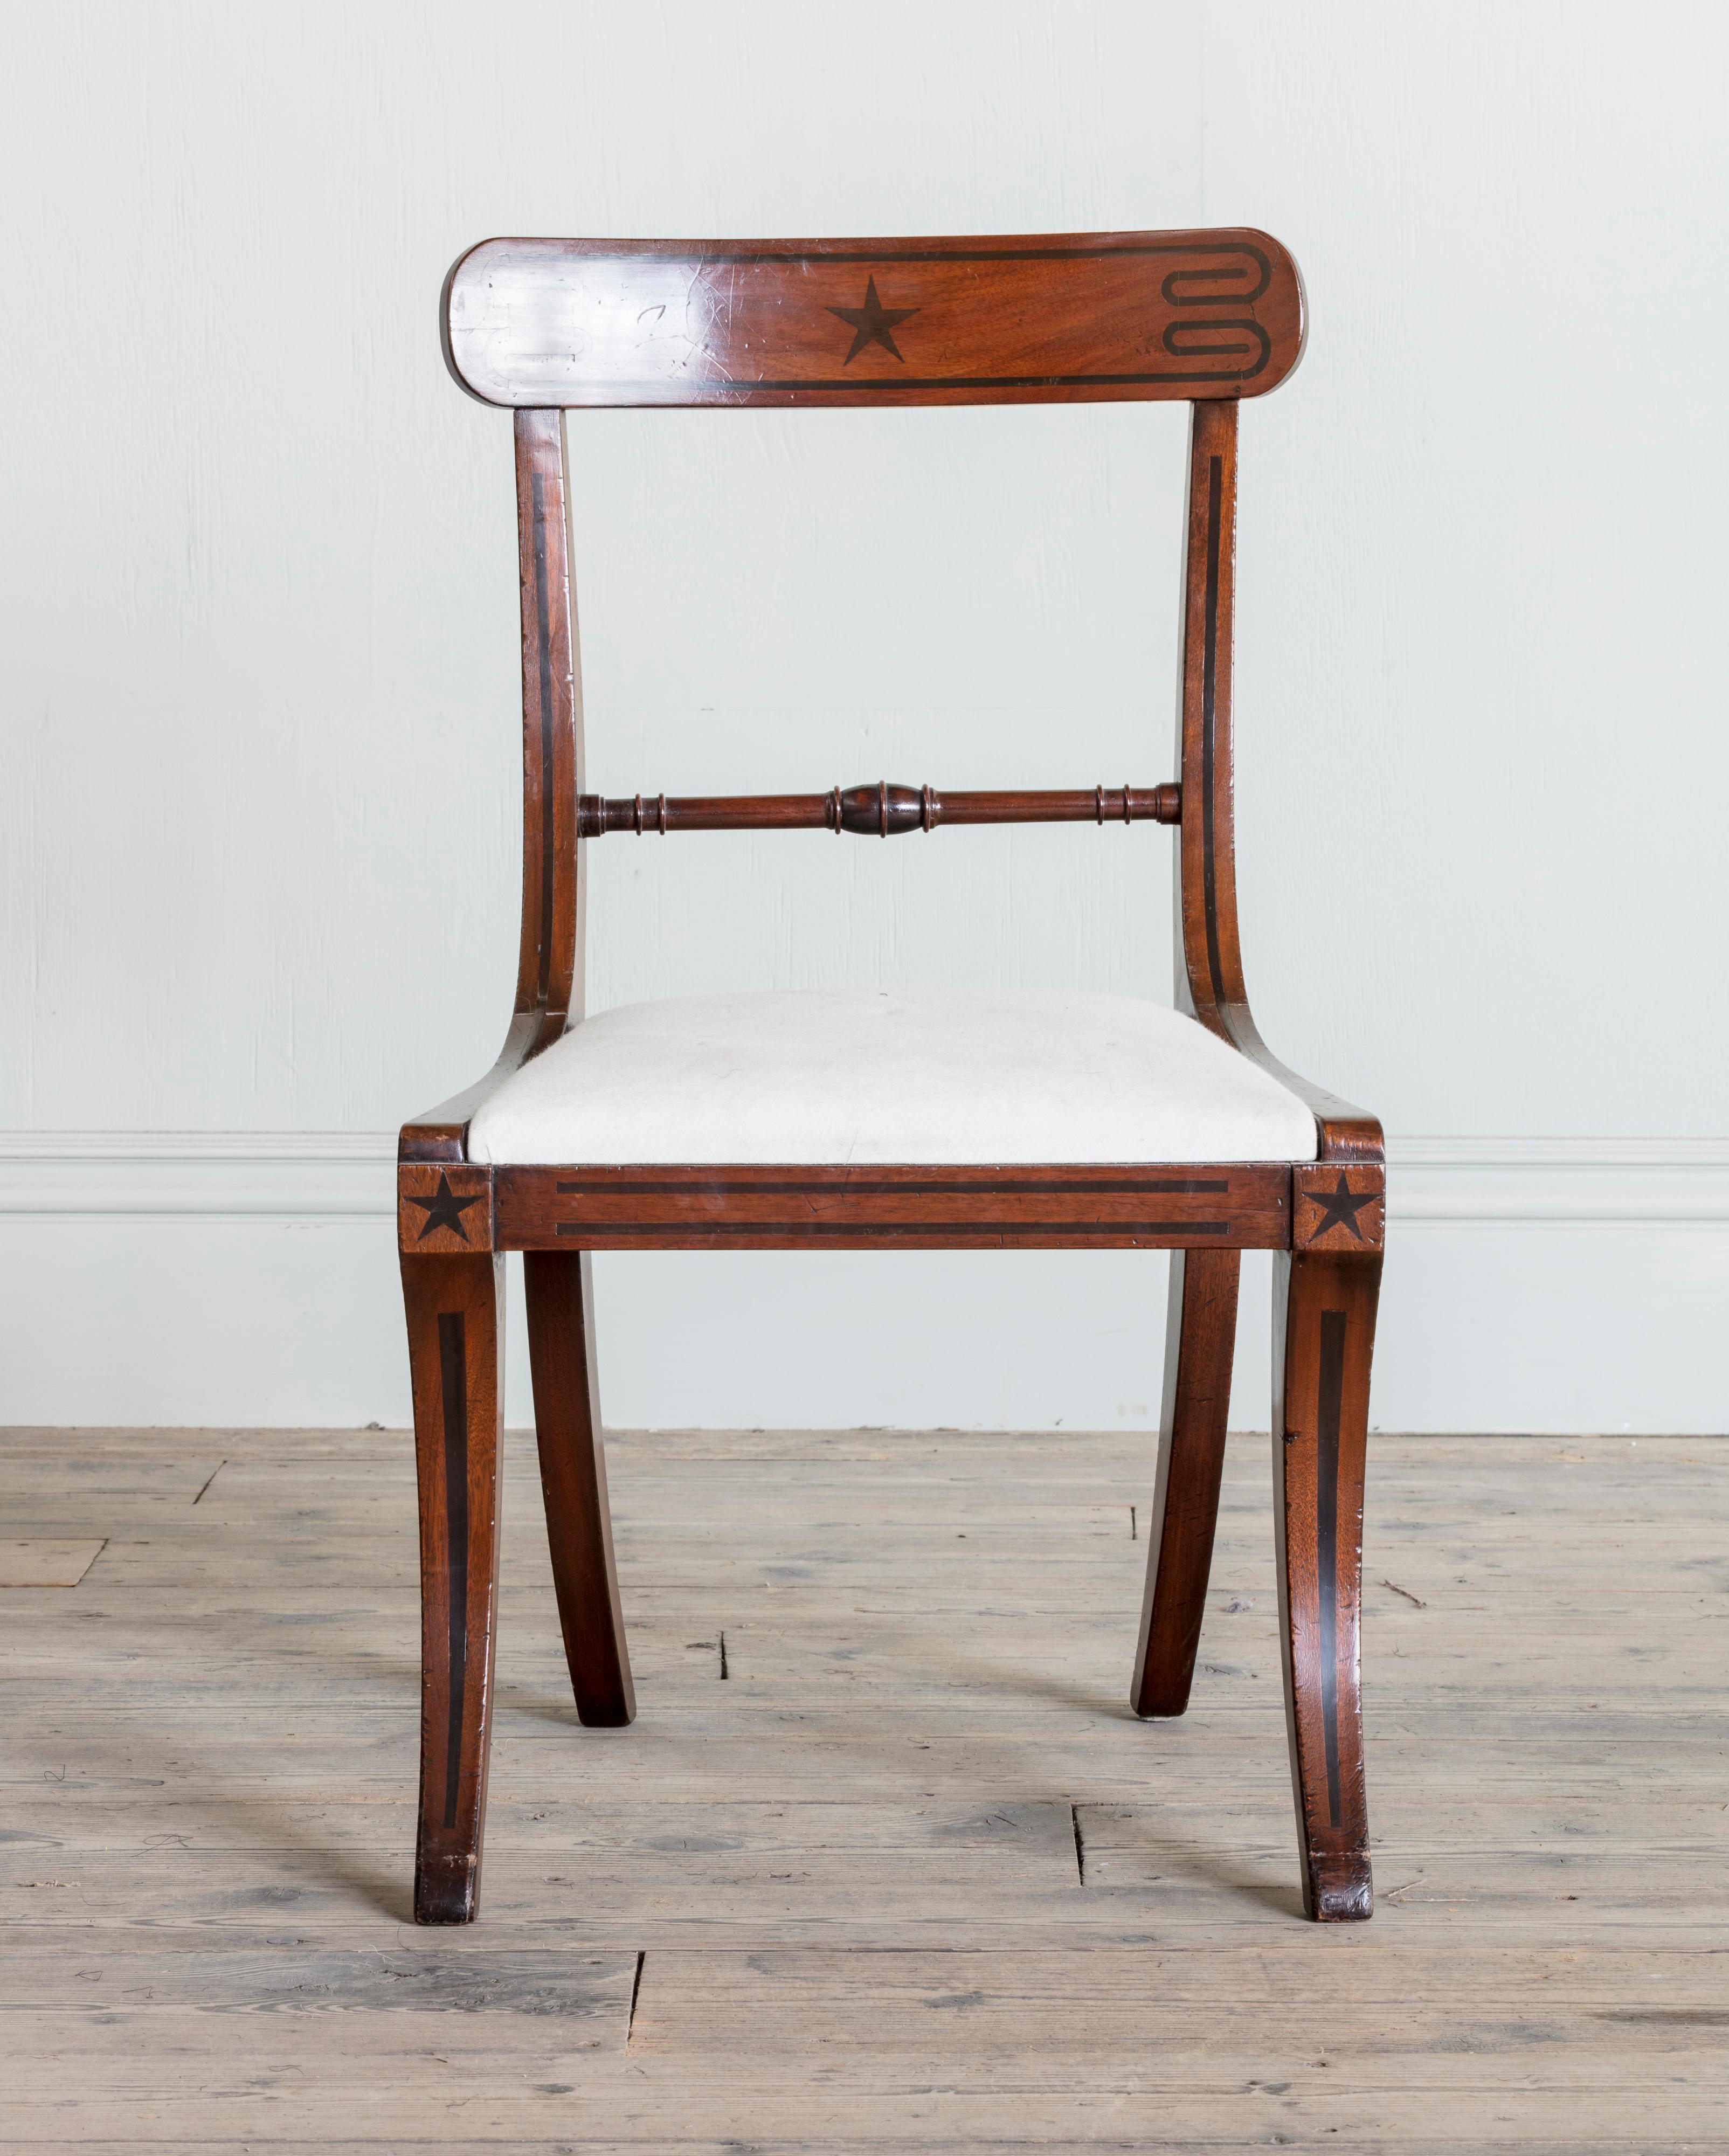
<point x="259" y="854"/>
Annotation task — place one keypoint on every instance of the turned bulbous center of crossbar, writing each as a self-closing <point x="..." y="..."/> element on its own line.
<point x="879" y="811"/>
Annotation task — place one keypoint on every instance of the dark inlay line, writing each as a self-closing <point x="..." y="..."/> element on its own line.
<point x="1173" y="298"/>
<point x="452" y="1370"/>
<point x="720" y="386"/>
<point x="1209" y="691"/>
<point x="1196" y="1188"/>
<point x="698" y="1226"/>
<point x="1188" y="330"/>
<point x="1326" y="1537"/>
<point x="543" y="633"/>
<point x="933" y="254"/>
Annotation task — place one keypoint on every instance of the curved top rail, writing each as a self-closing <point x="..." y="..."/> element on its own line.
<point x="1071" y="319"/>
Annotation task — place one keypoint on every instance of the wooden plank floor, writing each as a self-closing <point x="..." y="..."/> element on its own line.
<point x="893" y="1868"/>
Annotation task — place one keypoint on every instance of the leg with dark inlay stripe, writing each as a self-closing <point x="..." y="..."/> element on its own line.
<point x="559" y="1286"/>
<point x="1323" y="1336"/>
<point x="453" y="1306"/>
<point x="1200" y="1338"/>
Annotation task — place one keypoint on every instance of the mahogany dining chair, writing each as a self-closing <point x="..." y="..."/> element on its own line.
<point x="862" y="1120"/>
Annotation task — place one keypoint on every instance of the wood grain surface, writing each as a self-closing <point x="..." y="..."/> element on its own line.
<point x="1323" y="1340"/>
<point x="835" y="1900"/>
<point x="1152" y="1207"/>
<point x="1044" y="319"/>
<point x="1210" y="977"/>
<point x="1200" y="1345"/>
<point x="456" y="1360"/>
<point x="549" y="964"/>
<point x="558" y="1286"/>
<point x="884" y="810"/>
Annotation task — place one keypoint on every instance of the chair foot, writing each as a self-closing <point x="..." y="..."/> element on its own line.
<point x="1200" y="1338"/>
<point x="453" y="1305"/>
<point x="560" y="1289"/>
<point x="1323" y="1337"/>
<point x="1338" y="1890"/>
<point x="446" y="1889"/>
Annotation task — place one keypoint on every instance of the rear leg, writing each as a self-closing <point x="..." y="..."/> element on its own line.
<point x="573" y="1476"/>
<point x="1200" y="1339"/>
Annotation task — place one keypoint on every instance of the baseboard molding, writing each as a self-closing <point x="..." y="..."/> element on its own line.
<point x="1504" y="1181"/>
<point x="249" y="1278"/>
<point x="338" y="1175"/>
<point x="267" y="1175"/>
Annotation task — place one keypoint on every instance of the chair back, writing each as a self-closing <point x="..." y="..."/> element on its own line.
<point x="545" y="326"/>
<point x="545" y="323"/>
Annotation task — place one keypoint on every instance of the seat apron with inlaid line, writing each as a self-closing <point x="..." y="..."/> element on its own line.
<point x="870" y="1119"/>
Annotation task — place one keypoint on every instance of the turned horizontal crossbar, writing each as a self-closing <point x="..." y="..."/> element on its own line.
<point x="880" y="811"/>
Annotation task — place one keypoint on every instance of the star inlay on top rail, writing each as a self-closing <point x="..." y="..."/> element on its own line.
<point x="873" y="324"/>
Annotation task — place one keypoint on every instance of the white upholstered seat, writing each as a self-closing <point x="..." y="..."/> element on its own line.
<point x="827" y="1076"/>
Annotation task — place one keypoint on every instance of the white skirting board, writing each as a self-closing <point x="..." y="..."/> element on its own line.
<point x="1532" y="1284"/>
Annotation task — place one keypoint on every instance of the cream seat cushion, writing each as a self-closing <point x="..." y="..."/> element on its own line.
<point x="826" y="1076"/>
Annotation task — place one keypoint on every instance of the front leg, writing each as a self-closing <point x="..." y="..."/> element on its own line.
<point x="1323" y="1335"/>
<point x="453" y="1306"/>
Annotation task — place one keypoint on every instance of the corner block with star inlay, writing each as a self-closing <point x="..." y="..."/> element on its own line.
<point x="1338" y="1207"/>
<point x="441" y="1208"/>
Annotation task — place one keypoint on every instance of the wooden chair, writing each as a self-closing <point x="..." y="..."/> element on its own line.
<point x="869" y="1121"/>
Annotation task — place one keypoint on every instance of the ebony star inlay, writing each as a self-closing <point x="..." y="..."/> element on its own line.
<point x="445" y="1209"/>
<point x="871" y="323"/>
<point x="1339" y="1208"/>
